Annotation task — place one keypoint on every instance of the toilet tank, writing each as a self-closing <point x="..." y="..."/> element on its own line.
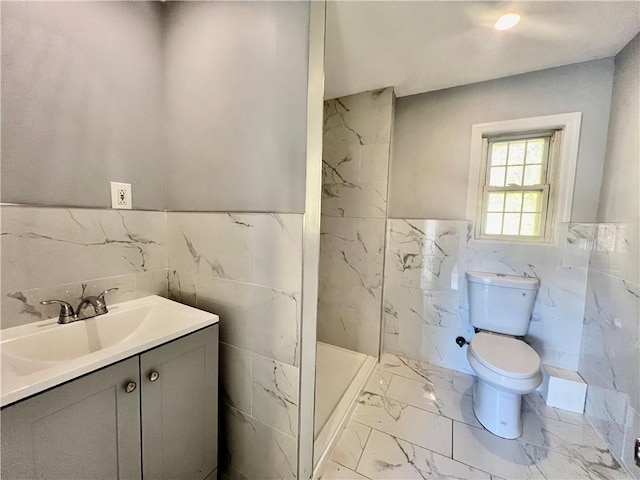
<point x="501" y="303"/>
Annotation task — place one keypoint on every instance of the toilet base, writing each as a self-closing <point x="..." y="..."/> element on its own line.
<point x="498" y="411"/>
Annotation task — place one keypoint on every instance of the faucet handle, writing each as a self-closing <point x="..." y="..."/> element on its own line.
<point x="101" y="308"/>
<point x="101" y="296"/>
<point x="66" y="310"/>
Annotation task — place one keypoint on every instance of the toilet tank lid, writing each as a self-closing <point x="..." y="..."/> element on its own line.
<point x="502" y="280"/>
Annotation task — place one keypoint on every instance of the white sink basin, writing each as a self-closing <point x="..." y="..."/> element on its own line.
<point x="44" y="354"/>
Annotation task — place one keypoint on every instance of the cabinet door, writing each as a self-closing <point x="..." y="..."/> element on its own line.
<point x="180" y="407"/>
<point x="85" y="429"/>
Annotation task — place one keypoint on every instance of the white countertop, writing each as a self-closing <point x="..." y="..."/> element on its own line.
<point x="41" y="355"/>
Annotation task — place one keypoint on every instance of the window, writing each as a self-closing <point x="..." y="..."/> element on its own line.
<point x="521" y="177"/>
<point x="517" y="184"/>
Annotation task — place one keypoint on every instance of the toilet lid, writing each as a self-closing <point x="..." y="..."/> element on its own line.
<point x="505" y="355"/>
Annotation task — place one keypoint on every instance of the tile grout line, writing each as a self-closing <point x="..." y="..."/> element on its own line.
<point x="557" y="418"/>
<point x="363" y="447"/>
<point x="262" y="422"/>
<point x="463" y="463"/>
<point x="417" y="446"/>
<point x="452" y="438"/>
<point x="427" y="365"/>
<point x="452" y="389"/>
<point x="461" y="423"/>
<point x="462" y="395"/>
<point x="405" y="440"/>
<point x="547" y="449"/>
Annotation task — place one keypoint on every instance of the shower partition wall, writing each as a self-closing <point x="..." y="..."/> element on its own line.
<point x="355" y="160"/>
<point x="355" y="171"/>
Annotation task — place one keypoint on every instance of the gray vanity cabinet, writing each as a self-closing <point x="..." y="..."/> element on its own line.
<point x="163" y="426"/>
<point x="87" y="428"/>
<point x="180" y="407"/>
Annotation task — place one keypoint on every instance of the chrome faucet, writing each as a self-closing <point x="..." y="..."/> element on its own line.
<point x="68" y="315"/>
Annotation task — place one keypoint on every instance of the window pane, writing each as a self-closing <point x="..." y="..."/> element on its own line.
<point x="497" y="177"/>
<point x="495" y="202"/>
<point x="514" y="175"/>
<point x="532" y="202"/>
<point x="533" y="175"/>
<point x="513" y="202"/>
<point x="515" y="186"/>
<point x="534" y="151"/>
<point x="511" y="224"/>
<point x="516" y="153"/>
<point x="499" y="153"/>
<point x="530" y="224"/>
<point x="493" y="224"/>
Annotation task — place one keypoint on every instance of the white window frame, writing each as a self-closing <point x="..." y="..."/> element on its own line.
<point x="551" y="156"/>
<point x="569" y="124"/>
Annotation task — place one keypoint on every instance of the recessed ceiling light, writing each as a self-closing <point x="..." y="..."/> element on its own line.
<point x="507" y="21"/>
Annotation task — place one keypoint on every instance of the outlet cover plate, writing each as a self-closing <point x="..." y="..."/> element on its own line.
<point x="121" y="195"/>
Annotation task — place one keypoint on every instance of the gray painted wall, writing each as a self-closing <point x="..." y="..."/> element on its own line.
<point x="99" y="91"/>
<point x="81" y="102"/>
<point x="236" y="83"/>
<point x="619" y="197"/>
<point x="430" y="161"/>
<point x="205" y="99"/>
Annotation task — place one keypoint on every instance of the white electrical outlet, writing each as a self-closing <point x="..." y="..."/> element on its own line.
<point x="121" y="195"/>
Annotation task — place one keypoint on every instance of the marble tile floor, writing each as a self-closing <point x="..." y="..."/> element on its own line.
<point x="416" y="421"/>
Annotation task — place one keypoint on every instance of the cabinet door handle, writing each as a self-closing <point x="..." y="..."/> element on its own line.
<point x="153" y="376"/>
<point x="130" y="387"/>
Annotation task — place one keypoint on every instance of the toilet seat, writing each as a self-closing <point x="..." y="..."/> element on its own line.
<point x="505" y="355"/>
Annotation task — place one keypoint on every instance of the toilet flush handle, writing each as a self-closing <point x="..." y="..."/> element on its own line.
<point x="461" y="341"/>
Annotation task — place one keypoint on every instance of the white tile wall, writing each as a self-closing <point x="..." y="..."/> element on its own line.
<point x="361" y="119"/>
<point x="611" y="338"/>
<point x="256" y="450"/>
<point x="274" y="398"/>
<point x="425" y="299"/>
<point x="350" y="294"/>
<point x="235" y="377"/>
<point x="356" y="148"/>
<point x="259" y="319"/>
<point x="610" y="356"/>
<point x="50" y="252"/>
<point x="247" y="268"/>
<point x="263" y="249"/>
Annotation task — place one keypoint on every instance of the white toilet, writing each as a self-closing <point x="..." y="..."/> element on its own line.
<point x="500" y="307"/>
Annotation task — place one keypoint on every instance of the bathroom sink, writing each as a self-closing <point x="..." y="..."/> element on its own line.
<point x="43" y="354"/>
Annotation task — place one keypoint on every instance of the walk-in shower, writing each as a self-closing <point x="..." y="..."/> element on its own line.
<point x="356" y="144"/>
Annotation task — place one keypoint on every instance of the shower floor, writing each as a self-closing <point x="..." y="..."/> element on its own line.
<point x="340" y="376"/>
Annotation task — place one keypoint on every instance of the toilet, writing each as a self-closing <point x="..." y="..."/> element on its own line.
<point x="500" y="309"/>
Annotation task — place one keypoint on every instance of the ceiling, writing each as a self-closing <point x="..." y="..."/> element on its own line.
<point x="421" y="46"/>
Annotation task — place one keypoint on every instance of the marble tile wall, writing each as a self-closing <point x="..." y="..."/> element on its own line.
<point x="247" y="268"/>
<point x="425" y="300"/>
<point x="356" y="145"/>
<point x="610" y="352"/>
<point x="423" y="282"/>
<point x="50" y="252"/>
